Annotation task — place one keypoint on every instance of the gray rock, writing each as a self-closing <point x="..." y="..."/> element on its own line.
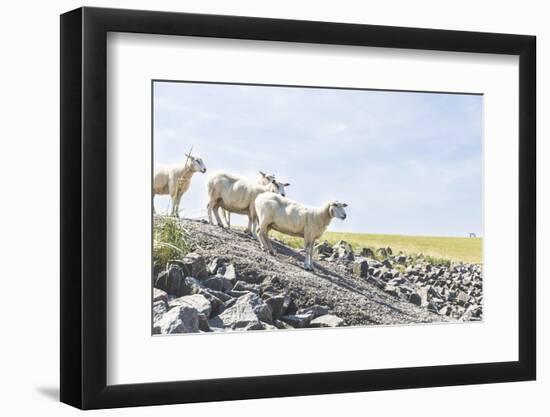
<point x="245" y="286"/>
<point x="328" y="320"/>
<point x="276" y="303"/>
<point x="159" y="308"/>
<point x="181" y="319"/>
<point x="217" y="266"/>
<point x="218" y="283"/>
<point x="204" y="326"/>
<point x="315" y="311"/>
<point x="189" y="286"/>
<point x="237" y="294"/>
<point x="223" y="297"/>
<point x="230" y="273"/>
<point x="170" y="280"/>
<point x="159" y="295"/>
<point x="298" y="321"/>
<point x="196" y="301"/>
<point x="400" y="259"/>
<point x="367" y="253"/>
<point x="392" y="290"/>
<point x="281" y="325"/>
<point x="361" y="268"/>
<point x="462" y="298"/>
<point x="415" y="298"/>
<point x="342" y="251"/>
<point x="323" y="248"/>
<point x="267" y="326"/>
<point x="376" y="281"/>
<point x="195" y="265"/>
<point x="246" y="313"/>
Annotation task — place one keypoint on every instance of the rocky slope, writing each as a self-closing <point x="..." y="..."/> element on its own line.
<point x="228" y="283"/>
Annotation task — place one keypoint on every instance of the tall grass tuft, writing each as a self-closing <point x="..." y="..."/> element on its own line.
<point x="170" y="241"/>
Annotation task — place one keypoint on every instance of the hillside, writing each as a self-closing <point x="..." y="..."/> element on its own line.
<point x="230" y="265"/>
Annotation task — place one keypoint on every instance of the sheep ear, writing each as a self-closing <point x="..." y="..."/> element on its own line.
<point x="286" y="184"/>
<point x="344" y="205"/>
<point x="262" y="174"/>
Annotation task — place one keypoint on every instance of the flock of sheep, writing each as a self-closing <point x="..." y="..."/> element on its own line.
<point x="263" y="202"/>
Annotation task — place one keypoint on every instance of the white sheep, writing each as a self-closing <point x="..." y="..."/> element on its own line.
<point x="294" y="219"/>
<point x="237" y="195"/>
<point x="175" y="180"/>
<point x="264" y="179"/>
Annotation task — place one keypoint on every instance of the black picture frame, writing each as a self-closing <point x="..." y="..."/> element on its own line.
<point x="84" y="207"/>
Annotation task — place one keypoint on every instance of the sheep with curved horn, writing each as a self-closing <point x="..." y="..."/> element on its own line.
<point x="175" y="180"/>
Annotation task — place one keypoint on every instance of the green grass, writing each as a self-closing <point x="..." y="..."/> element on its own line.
<point x="462" y="249"/>
<point x="170" y="241"/>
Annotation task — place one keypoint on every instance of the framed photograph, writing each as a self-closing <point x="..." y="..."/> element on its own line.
<point x="257" y="208"/>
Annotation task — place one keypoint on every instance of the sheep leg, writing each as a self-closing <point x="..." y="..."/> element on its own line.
<point x="264" y="239"/>
<point x="176" y="206"/>
<point x="209" y="210"/>
<point x="217" y="214"/>
<point x="308" y="264"/>
<point x="227" y="216"/>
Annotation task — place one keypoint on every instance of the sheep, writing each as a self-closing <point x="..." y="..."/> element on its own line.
<point x="175" y="180"/>
<point x="294" y="219"/>
<point x="237" y="195"/>
<point x="263" y="180"/>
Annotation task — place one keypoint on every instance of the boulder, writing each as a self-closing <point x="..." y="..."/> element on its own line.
<point x="376" y="281"/>
<point x="462" y="298"/>
<point x="400" y="259"/>
<point x="223" y="297"/>
<point x="298" y="321"/>
<point x="159" y="308"/>
<point x="327" y="320"/>
<point x="246" y="313"/>
<point x="245" y="286"/>
<point x="367" y="253"/>
<point x="323" y="249"/>
<point x="196" y="301"/>
<point x="189" y="286"/>
<point x="315" y="311"/>
<point x="170" y="280"/>
<point x="204" y="326"/>
<point x="230" y="273"/>
<point x="342" y="251"/>
<point x="216" y="266"/>
<point x="415" y="298"/>
<point x="218" y="283"/>
<point x="281" y="325"/>
<point x="361" y="268"/>
<point x="237" y="294"/>
<point x="276" y="304"/>
<point x="159" y="295"/>
<point x="181" y="319"/>
<point x="195" y="265"/>
<point x="392" y="290"/>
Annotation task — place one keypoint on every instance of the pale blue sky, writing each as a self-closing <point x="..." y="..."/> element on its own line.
<point x="406" y="163"/>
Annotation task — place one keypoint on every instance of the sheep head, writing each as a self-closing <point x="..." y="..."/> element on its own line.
<point x="277" y="187"/>
<point x="197" y="164"/>
<point x="336" y="209"/>
<point x="266" y="178"/>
